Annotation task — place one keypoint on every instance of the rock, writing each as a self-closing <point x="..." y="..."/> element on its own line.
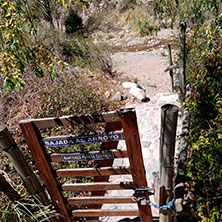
<point x="145" y="144"/>
<point x="107" y="94"/>
<point x="117" y="44"/>
<point x="139" y="94"/>
<point x="151" y="169"/>
<point x="128" y="85"/>
<point x="117" y="96"/>
<point x="124" y="98"/>
<point x="149" y="85"/>
<point x="136" y="42"/>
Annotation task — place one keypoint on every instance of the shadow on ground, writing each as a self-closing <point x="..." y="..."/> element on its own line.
<point x="136" y="219"/>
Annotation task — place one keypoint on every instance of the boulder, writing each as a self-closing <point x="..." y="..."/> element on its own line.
<point x="117" y="96"/>
<point x="139" y="94"/>
<point x="128" y="85"/>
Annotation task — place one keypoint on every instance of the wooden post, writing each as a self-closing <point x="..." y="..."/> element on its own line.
<point x="181" y="169"/>
<point x="170" y="64"/>
<point x="33" y="138"/>
<point x="31" y="182"/>
<point x="6" y="188"/>
<point x="169" y="114"/>
<point x="182" y="56"/>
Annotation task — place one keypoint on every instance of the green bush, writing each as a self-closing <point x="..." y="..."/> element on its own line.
<point x="204" y="74"/>
<point x="84" y="53"/>
<point x="146" y="28"/>
<point x="204" y="166"/>
<point x="73" y="22"/>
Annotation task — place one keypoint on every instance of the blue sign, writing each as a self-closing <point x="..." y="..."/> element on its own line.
<point x="87" y="156"/>
<point x="67" y="141"/>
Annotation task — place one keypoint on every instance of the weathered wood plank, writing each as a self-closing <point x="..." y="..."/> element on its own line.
<point x="170" y="64"/>
<point x="169" y="114"/>
<point x="171" y="67"/>
<point x="111" y="154"/>
<point x="103" y="171"/>
<point x="182" y="56"/>
<point x="99" y="200"/>
<point x="18" y="160"/>
<point x="99" y="186"/>
<point x="101" y="213"/>
<point x="8" y="190"/>
<point x="33" y="138"/>
<point x="73" y="120"/>
<point x="131" y="135"/>
<point x="60" y="141"/>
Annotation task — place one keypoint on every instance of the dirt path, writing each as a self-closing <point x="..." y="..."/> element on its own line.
<point x="147" y="67"/>
<point x="144" y="59"/>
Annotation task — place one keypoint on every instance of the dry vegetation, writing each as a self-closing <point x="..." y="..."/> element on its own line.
<point x="82" y="85"/>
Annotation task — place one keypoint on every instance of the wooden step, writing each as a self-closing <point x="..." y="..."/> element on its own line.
<point x="103" y="171"/>
<point x="103" y="212"/>
<point x="97" y="186"/>
<point x="99" y="200"/>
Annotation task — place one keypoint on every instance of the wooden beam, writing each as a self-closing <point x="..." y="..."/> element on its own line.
<point x="60" y="157"/>
<point x="100" y="186"/>
<point x="169" y="115"/>
<point x="99" y="200"/>
<point x="8" y="190"/>
<point x="101" y="213"/>
<point x="33" y="138"/>
<point x="19" y="162"/>
<point x="171" y="67"/>
<point x="73" y="120"/>
<point x="103" y="171"/>
<point x="132" y="139"/>
<point x="170" y="64"/>
<point x="182" y="56"/>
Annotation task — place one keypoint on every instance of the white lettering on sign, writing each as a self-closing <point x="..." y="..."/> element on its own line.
<point x="87" y="156"/>
<point x="67" y="141"/>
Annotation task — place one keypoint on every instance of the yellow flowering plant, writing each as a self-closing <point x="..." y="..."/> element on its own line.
<point x="19" y="47"/>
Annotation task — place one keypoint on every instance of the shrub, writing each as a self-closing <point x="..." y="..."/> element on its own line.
<point x="73" y="22"/>
<point x="204" y="165"/>
<point x="204" y="69"/>
<point x="28" y="208"/>
<point x="126" y="4"/>
<point x="146" y="28"/>
<point x="70" y="95"/>
<point x="84" y="53"/>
